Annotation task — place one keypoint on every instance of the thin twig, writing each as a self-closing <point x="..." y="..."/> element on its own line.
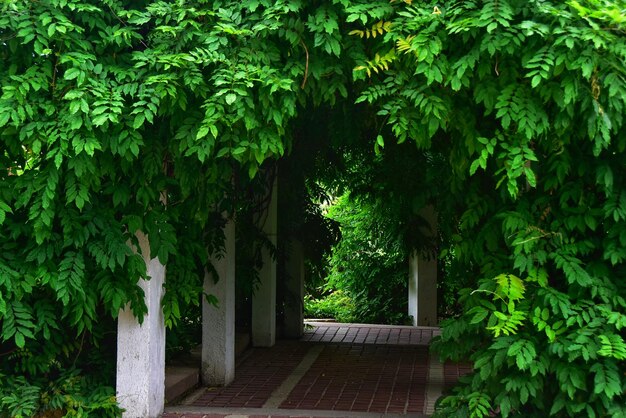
<point x="8" y="37"/>
<point x="80" y="349"/>
<point x="54" y="73"/>
<point x="306" y="66"/>
<point x="6" y="353"/>
<point x="488" y="291"/>
<point x="125" y="24"/>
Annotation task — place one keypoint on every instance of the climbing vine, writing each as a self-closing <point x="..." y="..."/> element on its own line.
<point x="126" y="116"/>
<point x="118" y="117"/>
<point x="528" y="98"/>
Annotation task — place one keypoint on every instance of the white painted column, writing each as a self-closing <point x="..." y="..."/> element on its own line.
<point x="413" y="288"/>
<point x="264" y="298"/>
<point x="218" y="322"/>
<point x="423" y="279"/>
<point x="294" y="286"/>
<point x="140" y="383"/>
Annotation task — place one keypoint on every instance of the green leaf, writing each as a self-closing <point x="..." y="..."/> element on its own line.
<point x="231" y="98"/>
<point x="202" y="132"/>
<point x="479" y="316"/>
<point x="100" y="119"/>
<point x="474" y="167"/>
<point x="139" y="120"/>
<point x="252" y="170"/>
<point x="510" y="286"/>
<point x="71" y="74"/>
<point x="19" y="340"/>
<point x="5" y="115"/>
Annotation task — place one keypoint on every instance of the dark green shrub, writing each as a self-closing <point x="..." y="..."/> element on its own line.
<point x="336" y="305"/>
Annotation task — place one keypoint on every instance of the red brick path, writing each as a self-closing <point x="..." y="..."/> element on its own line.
<point x="453" y="371"/>
<point x="369" y="334"/>
<point x="364" y="378"/>
<point x="257" y="377"/>
<point x="173" y="415"/>
<point x="361" y="369"/>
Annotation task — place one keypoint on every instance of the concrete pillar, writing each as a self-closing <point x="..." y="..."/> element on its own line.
<point x="140" y="385"/>
<point x="264" y="298"/>
<point x="423" y="279"/>
<point x="294" y="291"/>
<point x="218" y="322"/>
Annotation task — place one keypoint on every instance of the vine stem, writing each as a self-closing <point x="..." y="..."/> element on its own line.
<point x="80" y="349"/>
<point x="6" y="353"/>
<point x="306" y="64"/>
<point x="490" y="292"/>
<point x="125" y="25"/>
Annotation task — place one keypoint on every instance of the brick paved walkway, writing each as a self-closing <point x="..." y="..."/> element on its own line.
<point x="369" y="334"/>
<point x="364" y="378"/>
<point x="452" y="372"/>
<point x="257" y="377"/>
<point x="334" y="370"/>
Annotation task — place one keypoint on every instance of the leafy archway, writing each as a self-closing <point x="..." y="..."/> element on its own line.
<point x="120" y="116"/>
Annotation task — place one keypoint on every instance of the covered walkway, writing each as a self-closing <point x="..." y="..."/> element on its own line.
<point x="333" y="370"/>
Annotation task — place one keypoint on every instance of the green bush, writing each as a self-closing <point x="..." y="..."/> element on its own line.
<point x="336" y="305"/>
<point x="369" y="264"/>
<point x="70" y="394"/>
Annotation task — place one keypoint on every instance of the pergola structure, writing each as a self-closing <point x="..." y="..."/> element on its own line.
<point x="141" y="347"/>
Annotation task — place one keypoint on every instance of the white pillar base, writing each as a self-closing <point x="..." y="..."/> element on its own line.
<point x="423" y="291"/>
<point x="423" y="280"/>
<point x="264" y="306"/>
<point x="218" y="322"/>
<point x="294" y="298"/>
<point x="264" y="297"/>
<point x="140" y="385"/>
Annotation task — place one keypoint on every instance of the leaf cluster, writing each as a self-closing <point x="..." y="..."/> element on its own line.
<point x="526" y="99"/>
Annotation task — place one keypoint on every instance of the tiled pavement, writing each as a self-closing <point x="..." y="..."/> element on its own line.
<point x="257" y="377"/>
<point x="364" y="378"/>
<point x="334" y="370"/>
<point x="369" y="334"/>
<point x="452" y="372"/>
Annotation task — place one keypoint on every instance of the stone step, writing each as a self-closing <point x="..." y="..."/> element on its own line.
<point x="179" y="380"/>
<point x="183" y="375"/>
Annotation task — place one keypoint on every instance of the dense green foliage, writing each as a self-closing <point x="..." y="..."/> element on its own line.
<point x="531" y="98"/>
<point x="527" y="98"/>
<point x="369" y="263"/>
<point x="126" y="116"/>
<point x="542" y="215"/>
<point x="377" y="209"/>
<point x="118" y="117"/>
<point x="334" y="305"/>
